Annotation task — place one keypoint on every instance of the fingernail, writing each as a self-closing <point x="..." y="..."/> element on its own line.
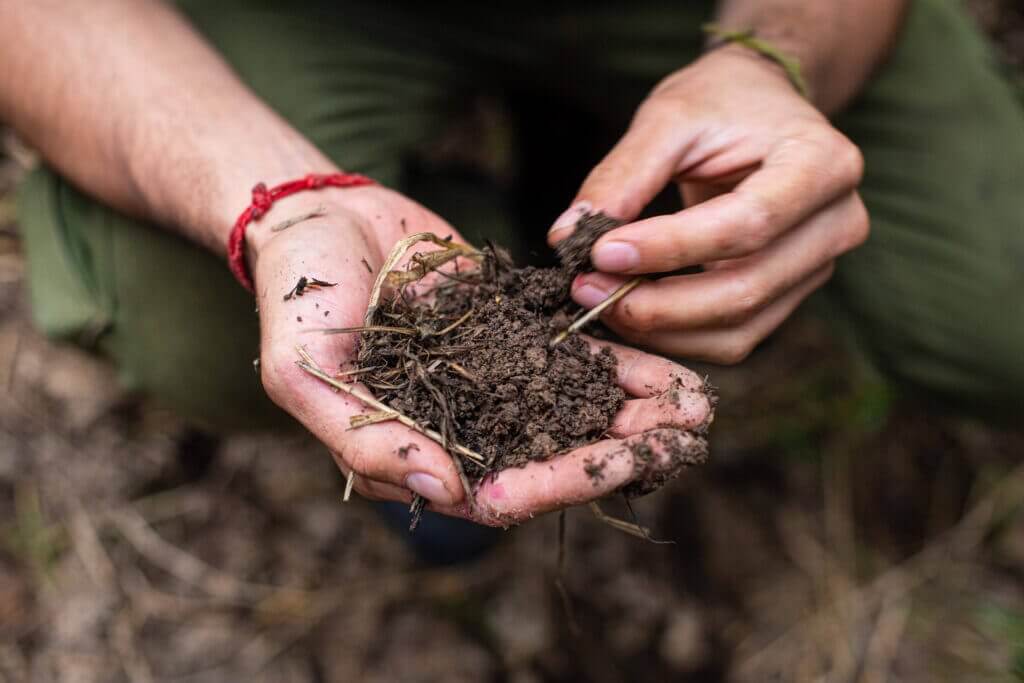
<point x="589" y="296"/>
<point x="430" y="487"/>
<point x="571" y="215"/>
<point x="615" y="257"/>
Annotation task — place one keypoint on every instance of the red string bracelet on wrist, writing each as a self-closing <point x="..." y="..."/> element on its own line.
<point x="263" y="199"/>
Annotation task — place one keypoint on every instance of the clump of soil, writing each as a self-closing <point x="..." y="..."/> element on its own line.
<point x="480" y="369"/>
<point x="474" y="360"/>
<point x="574" y="250"/>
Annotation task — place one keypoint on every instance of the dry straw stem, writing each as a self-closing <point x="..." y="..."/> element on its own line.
<point x="621" y="525"/>
<point x="350" y="481"/>
<point x="310" y="367"/>
<point x="624" y="289"/>
<point x="423" y="265"/>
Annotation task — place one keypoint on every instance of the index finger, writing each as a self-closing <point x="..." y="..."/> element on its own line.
<point x="796" y="180"/>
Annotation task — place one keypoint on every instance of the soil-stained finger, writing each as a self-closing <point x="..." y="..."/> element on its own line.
<point x="637" y="464"/>
<point x="644" y="375"/>
<point x="676" y="407"/>
<point x="388" y="452"/>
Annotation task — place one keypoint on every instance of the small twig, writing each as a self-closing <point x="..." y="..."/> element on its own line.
<point x="357" y="421"/>
<point x="621" y="525"/>
<point x="622" y="291"/>
<point x="180" y="564"/>
<point x="374" y="403"/>
<point x="462" y="371"/>
<point x="350" y="481"/>
<point x="636" y="521"/>
<point x="360" y="371"/>
<point x="416" y="511"/>
<point x="451" y="327"/>
<point x="285" y="224"/>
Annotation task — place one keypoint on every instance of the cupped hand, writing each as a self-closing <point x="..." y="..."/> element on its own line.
<point x="771" y="194"/>
<point x="346" y="246"/>
<point x="352" y="237"/>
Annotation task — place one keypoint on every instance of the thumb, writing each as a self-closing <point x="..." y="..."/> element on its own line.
<point x="630" y="176"/>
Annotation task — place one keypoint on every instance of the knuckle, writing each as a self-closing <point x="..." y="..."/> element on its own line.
<point x="846" y="158"/>
<point x="745" y="300"/>
<point x="736" y="350"/>
<point x="637" y="317"/>
<point x="760" y="224"/>
<point x="853" y="162"/>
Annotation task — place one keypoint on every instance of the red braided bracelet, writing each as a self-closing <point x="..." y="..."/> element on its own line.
<point x="263" y="199"/>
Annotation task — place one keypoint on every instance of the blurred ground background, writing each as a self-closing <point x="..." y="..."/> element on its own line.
<point x="839" y="534"/>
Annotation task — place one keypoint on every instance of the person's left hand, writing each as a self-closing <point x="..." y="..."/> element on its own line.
<point x="771" y="194"/>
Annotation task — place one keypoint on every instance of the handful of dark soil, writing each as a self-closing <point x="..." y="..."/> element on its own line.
<point x="475" y="363"/>
<point x="482" y="363"/>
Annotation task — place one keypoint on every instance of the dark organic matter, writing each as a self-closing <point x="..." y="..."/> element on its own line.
<point x="473" y="362"/>
<point x="574" y="250"/>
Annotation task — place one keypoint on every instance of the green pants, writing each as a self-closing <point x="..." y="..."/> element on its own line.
<point x="936" y="296"/>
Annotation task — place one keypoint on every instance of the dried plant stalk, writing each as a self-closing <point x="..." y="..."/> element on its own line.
<point x="624" y="289"/>
<point x="620" y="524"/>
<point x="357" y="421"/>
<point x="374" y="403"/>
<point x="451" y="251"/>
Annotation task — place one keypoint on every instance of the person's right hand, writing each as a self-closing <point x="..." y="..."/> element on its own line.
<point x="362" y="225"/>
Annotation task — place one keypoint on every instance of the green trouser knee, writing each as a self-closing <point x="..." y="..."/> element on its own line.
<point x="935" y="295"/>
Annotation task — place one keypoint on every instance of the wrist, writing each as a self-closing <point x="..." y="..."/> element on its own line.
<point x="264" y="198"/>
<point x="738" y="55"/>
<point x="328" y="204"/>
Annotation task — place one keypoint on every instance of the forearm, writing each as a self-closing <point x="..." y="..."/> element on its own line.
<point x="839" y="43"/>
<point x="129" y="102"/>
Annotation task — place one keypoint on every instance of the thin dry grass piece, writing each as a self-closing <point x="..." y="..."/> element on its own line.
<point x="452" y="250"/>
<point x="451" y="327"/>
<point x="621" y="525"/>
<point x="624" y="289"/>
<point x="357" y="421"/>
<point x="462" y="371"/>
<point x="369" y="328"/>
<point x="374" y="403"/>
<point x="350" y="481"/>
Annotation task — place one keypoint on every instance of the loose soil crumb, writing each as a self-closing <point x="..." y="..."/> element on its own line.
<point x="574" y="250"/>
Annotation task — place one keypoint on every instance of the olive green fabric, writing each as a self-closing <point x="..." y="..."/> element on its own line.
<point x="936" y="296"/>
